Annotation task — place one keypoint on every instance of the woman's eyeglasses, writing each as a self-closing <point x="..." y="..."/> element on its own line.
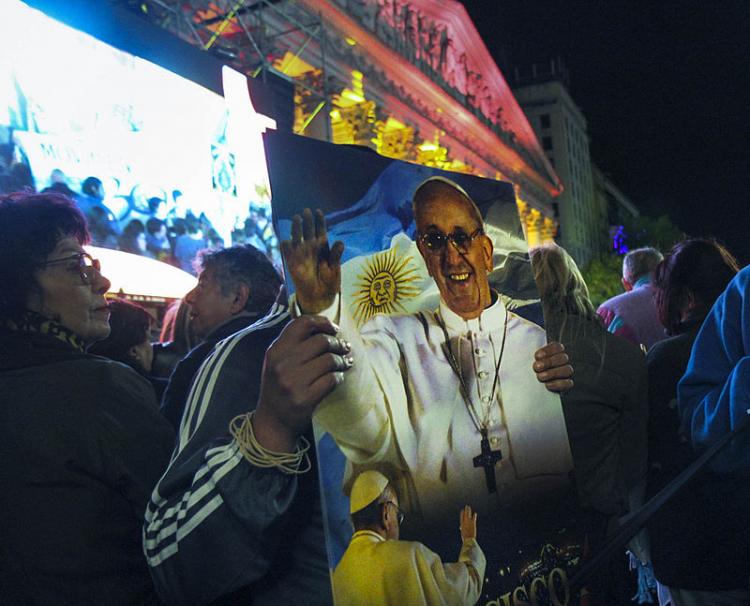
<point x="86" y="265"/>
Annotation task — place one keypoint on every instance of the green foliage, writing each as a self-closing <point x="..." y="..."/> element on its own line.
<point x="658" y="232"/>
<point x="602" y="276"/>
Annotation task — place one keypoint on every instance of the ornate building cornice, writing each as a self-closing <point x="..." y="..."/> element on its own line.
<point x="438" y="41"/>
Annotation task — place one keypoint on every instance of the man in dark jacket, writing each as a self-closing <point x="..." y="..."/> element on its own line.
<point x="236" y="287"/>
<point x="222" y="526"/>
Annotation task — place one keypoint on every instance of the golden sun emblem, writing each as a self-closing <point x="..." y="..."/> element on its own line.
<point x="386" y="281"/>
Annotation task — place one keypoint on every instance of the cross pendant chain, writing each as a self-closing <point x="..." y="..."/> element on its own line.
<point x="487" y="459"/>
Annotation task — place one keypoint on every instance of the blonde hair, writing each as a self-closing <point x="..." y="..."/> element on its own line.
<point x="560" y="283"/>
<point x="177" y="328"/>
<point x="564" y="293"/>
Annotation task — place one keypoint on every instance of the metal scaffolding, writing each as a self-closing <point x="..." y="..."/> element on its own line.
<point x="291" y="39"/>
<point x="247" y="35"/>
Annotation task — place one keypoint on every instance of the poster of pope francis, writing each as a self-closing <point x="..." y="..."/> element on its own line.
<point x="427" y="275"/>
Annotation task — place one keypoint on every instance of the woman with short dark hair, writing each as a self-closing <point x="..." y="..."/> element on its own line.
<point x="81" y="439"/>
<point x="688" y="281"/>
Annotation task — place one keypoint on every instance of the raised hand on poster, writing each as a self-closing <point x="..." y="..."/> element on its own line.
<point x="301" y="367"/>
<point x="315" y="267"/>
<point x="468" y="524"/>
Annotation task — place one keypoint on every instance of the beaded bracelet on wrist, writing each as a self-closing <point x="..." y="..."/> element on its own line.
<point x="297" y="462"/>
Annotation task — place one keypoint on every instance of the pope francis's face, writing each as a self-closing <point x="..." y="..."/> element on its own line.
<point x="457" y="253"/>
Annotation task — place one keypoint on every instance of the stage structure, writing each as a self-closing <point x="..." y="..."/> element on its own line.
<point x="169" y="133"/>
<point x="412" y="80"/>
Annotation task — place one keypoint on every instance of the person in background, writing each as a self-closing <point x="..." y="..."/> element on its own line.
<point x="129" y="341"/>
<point x="58" y="183"/>
<point x="133" y="238"/>
<point x="94" y="188"/>
<point x="605" y="411"/>
<point x="155" y="203"/>
<point x="81" y="438"/>
<point x="694" y="545"/>
<point x="188" y="242"/>
<point x="176" y="339"/>
<point x="378" y="568"/>
<point x="157" y="243"/>
<point x="632" y="315"/>
<point x="91" y="196"/>
<point x="101" y="225"/>
<point x="236" y="287"/>
<point x="57" y="177"/>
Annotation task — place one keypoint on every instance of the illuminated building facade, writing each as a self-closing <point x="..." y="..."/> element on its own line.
<point x="410" y="79"/>
<point x="561" y="128"/>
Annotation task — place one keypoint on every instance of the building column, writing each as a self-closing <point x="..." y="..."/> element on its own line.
<point x="548" y="230"/>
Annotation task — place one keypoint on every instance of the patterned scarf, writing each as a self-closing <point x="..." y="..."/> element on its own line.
<point x="32" y="322"/>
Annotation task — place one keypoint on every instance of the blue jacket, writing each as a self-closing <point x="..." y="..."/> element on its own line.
<point x="714" y="394"/>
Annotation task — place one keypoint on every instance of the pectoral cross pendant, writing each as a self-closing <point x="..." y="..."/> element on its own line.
<point x="487" y="459"/>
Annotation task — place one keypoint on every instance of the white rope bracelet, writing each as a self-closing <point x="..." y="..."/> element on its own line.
<point x="297" y="462"/>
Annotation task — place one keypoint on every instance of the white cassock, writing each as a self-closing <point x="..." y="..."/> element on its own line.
<point x="400" y="410"/>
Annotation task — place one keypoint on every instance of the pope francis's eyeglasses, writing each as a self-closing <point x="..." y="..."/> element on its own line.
<point x="436" y="241"/>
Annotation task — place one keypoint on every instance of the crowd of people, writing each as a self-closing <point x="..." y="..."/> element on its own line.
<point x="152" y="227"/>
<point x="185" y="472"/>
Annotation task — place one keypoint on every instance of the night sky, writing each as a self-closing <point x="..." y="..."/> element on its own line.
<point x="665" y="88"/>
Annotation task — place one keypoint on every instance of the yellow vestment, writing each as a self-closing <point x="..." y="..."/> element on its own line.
<point x="376" y="571"/>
